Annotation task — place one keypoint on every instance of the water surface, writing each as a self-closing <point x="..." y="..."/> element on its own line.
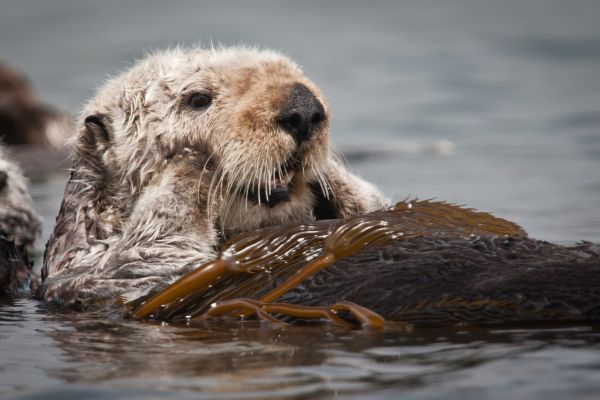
<point x="85" y="356"/>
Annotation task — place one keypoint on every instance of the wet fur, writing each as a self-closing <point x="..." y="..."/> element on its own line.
<point x="18" y="221"/>
<point x="156" y="185"/>
<point x="19" y="228"/>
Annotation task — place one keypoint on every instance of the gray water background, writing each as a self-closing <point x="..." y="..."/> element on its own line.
<point x="493" y="104"/>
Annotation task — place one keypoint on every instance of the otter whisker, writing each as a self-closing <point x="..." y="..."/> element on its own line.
<point x="257" y="185"/>
<point x="201" y="179"/>
<point x="236" y="190"/>
<point x="323" y="183"/>
<point x="268" y="173"/>
<point x="321" y="177"/>
<point x="213" y="190"/>
<point x="231" y="191"/>
<point x="220" y="192"/>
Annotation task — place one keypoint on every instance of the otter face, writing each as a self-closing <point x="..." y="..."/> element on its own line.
<point x="262" y="123"/>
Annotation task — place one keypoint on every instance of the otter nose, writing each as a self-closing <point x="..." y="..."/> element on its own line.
<point x="301" y="113"/>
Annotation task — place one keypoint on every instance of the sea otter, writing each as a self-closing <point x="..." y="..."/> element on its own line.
<point x="18" y="220"/>
<point x="19" y="228"/>
<point x="187" y="148"/>
<point x="192" y="147"/>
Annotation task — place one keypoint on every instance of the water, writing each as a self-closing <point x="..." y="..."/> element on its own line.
<point x="83" y="356"/>
<point x="490" y="104"/>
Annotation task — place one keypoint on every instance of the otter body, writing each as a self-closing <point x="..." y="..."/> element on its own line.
<point x="182" y="151"/>
<point x="19" y="228"/>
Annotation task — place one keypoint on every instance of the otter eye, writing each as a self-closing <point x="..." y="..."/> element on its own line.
<point x="199" y="101"/>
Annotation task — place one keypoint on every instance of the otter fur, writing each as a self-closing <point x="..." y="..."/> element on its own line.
<point x="19" y="228"/>
<point x="187" y="148"/>
<point x="18" y="220"/>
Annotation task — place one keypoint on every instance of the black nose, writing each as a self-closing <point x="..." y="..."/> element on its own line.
<point x="301" y="114"/>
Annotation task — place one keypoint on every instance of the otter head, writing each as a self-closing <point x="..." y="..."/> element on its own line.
<point x="261" y="122"/>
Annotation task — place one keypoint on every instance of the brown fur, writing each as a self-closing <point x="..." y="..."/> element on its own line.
<point x="18" y="220"/>
<point x="23" y="118"/>
<point x="19" y="228"/>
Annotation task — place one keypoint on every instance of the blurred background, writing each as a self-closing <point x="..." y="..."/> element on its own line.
<point x="491" y="104"/>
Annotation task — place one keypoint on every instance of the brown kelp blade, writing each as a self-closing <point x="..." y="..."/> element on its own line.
<point x="198" y="279"/>
<point x="346" y="239"/>
<point x="265" y="312"/>
<point x="274" y="250"/>
<point x="440" y="218"/>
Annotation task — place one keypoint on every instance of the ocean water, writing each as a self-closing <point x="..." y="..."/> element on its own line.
<point x="491" y="104"/>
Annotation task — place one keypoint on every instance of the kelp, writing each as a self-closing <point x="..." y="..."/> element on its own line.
<point x="256" y="268"/>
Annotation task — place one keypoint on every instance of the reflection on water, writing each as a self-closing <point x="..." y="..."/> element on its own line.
<point x="494" y="105"/>
<point x="250" y="360"/>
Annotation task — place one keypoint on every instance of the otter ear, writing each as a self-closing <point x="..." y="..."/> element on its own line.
<point x="96" y="126"/>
